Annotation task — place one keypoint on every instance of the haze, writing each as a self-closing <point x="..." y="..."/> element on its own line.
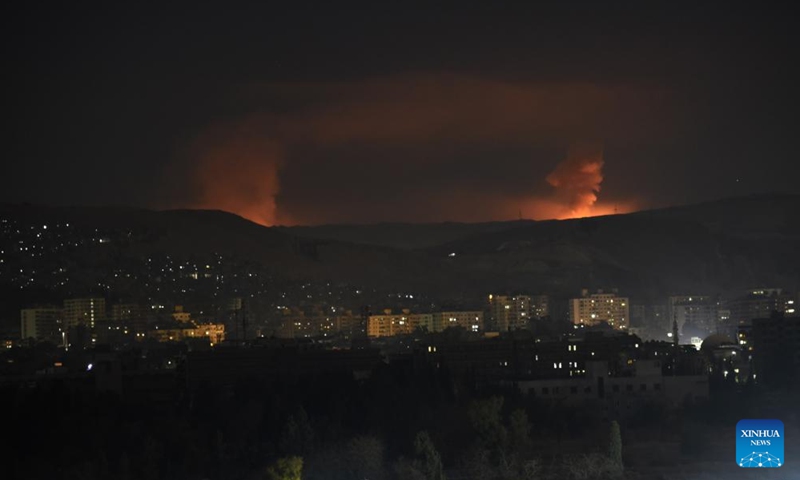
<point x="287" y="115"/>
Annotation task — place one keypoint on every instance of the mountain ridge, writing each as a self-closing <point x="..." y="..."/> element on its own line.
<point x="711" y="247"/>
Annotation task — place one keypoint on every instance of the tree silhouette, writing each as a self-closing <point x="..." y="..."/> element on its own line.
<point x="288" y="468"/>
<point x="485" y="418"/>
<point x="519" y="431"/>
<point x="297" y="437"/>
<point x="428" y="460"/>
<point x="615" y="445"/>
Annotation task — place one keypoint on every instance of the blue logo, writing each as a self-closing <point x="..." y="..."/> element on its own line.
<point x="759" y="443"/>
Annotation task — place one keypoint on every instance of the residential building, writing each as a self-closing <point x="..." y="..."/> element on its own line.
<point x="84" y="311"/>
<point x="41" y="324"/>
<point x="600" y="307"/>
<point x="472" y="321"/>
<point x="405" y="322"/>
<point x="131" y="315"/>
<point x="760" y="303"/>
<point x="776" y="348"/>
<point x="509" y="313"/>
<point x="390" y="324"/>
<point x="540" y="306"/>
<point x="696" y="315"/>
<point x="215" y="332"/>
<point x="180" y="315"/>
<point x="618" y="396"/>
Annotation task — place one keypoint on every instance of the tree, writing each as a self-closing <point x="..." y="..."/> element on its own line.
<point x="428" y="460"/>
<point x="364" y="456"/>
<point x="406" y="470"/>
<point x="502" y="451"/>
<point x="485" y="418"/>
<point x="615" y="446"/>
<point x="287" y="468"/>
<point x="592" y="466"/>
<point x="359" y="458"/>
<point x="297" y="436"/>
<point x="519" y="431"/>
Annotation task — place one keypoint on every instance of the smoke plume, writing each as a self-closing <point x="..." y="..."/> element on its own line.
<point x="577" y="181"/>
<point x="235" y="168"/>
<point x="415" y="147"/>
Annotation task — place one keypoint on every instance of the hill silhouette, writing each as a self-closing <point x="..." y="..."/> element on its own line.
<point x="707" y="248"/>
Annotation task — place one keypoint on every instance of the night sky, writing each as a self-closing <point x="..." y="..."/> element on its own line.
<point x="326" y="113"/>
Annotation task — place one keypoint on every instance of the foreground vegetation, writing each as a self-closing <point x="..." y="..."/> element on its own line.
<point x="398" y="424"/>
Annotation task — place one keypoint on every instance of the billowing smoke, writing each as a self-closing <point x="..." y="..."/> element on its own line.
<point x="427" y="147"/>
<point x="577" y="181"/>
<point x="235" y="168"/>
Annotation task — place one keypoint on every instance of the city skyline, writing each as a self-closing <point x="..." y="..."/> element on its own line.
<point x="399" y="241"/>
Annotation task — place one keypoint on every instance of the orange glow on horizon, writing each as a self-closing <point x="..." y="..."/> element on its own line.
<point x="547" y="209"/>
<point x="577" y="180"/>
<point x="235" y="169"/>
<point x="256" y="166"/>
<point x="601" y="209"/>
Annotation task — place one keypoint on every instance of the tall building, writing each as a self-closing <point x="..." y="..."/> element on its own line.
<point x="41" y="324"/>
<point x="347" y="324"/>
<point x="509" y="312"/>
<point x="84" y="311"/>
<point x="760" y="303"/>
<point x="130" y="315"/>
<point x="592" y="309"/>
<point x="236" y="319"/>
<point x="696" y="315"/>
<point x="650" y="320"/>
<point x="294" y="324"/>
<point x="776" y="348"/>
<point x="540" y="306"/>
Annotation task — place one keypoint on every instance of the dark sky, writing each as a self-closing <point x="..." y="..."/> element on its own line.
<point x="322" y="113"/>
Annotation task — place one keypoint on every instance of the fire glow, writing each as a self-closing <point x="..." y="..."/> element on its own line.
<point x="404" y="150"/>
<point x="577" y="181"/>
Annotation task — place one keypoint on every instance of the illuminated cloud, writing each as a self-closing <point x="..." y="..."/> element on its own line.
<point x="436" y="107"/>
<point x="432" y="147"/>
<point x="235" y="168"/>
